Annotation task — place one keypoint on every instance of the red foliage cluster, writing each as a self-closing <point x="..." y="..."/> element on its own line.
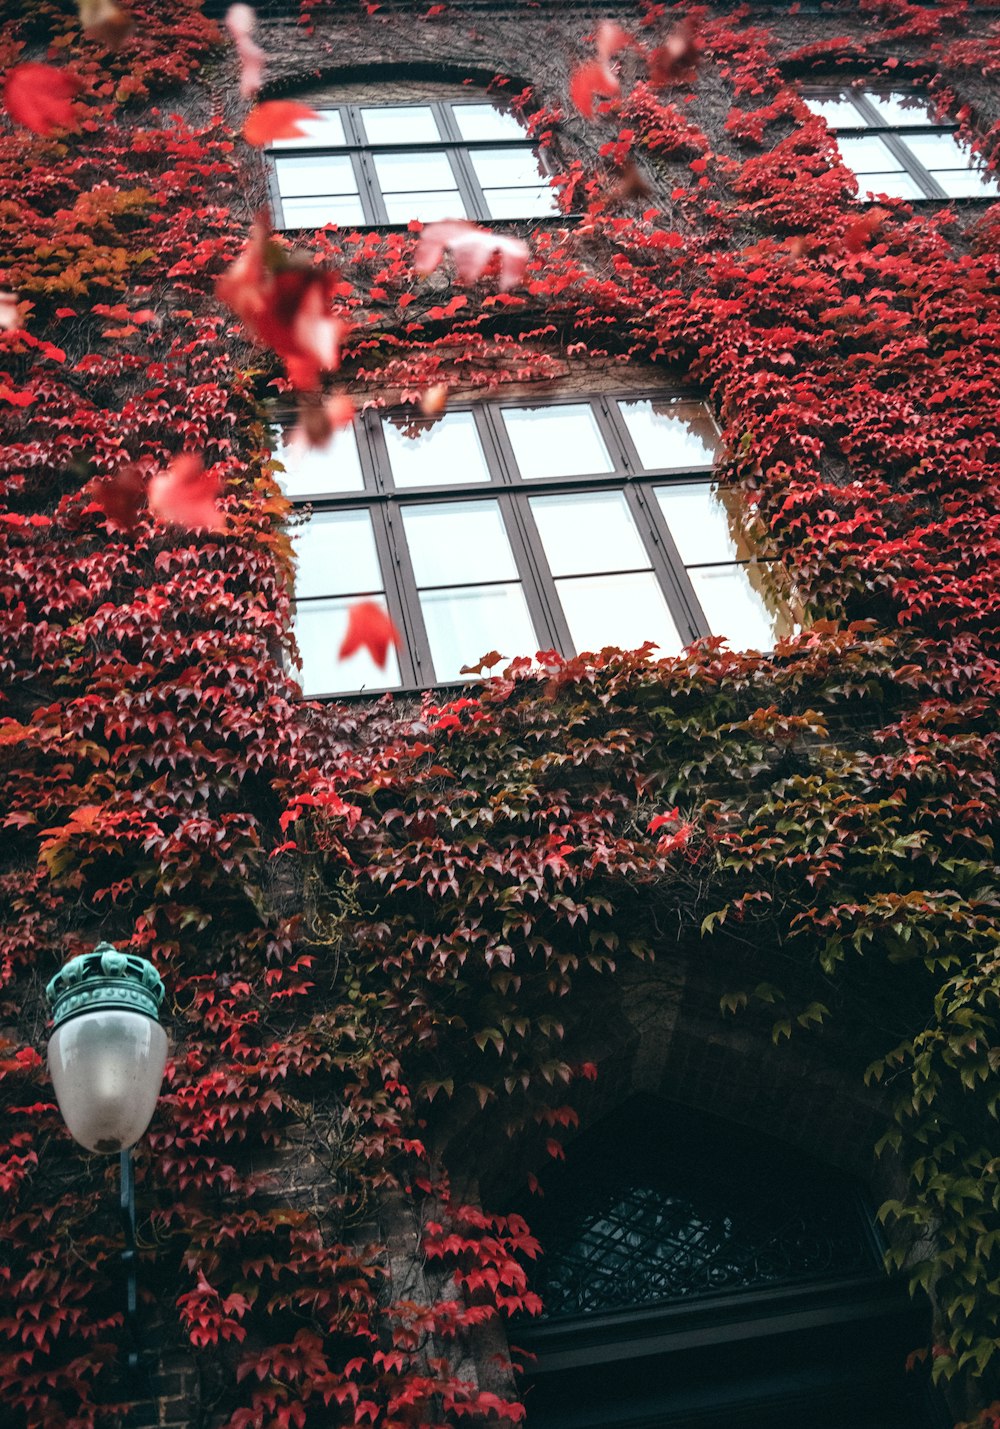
<point x="406" y="948"/>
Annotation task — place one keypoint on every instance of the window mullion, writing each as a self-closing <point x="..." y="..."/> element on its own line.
<point x="414" y="630"/>
<point x="469" y="186"/>
<point x="400" y="607"/>
<point x="537" y="582"/>
<point x="667" y="564"/>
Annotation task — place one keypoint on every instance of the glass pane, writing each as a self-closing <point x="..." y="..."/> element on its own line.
<point x="506" y="168"/>
<point x="704" y="522"/>
<point x="521" y="203"/>
<point x="897" y="109"/>
<point x="413" y="173"/>
<point x="315" y="212"/>
<point x="464" y="625"/>
<point x="967" y="183"/>
<point x="838" y="111"/>
<point x="670" y="435"/>
<point x="482" y="121"/>
<point x="618" y="610"/>
<point x="589" y="532"/>
<point x="320" y="626"/>
<point x="556" y="441"/>
<point x="400" y="208"/>
<point x="317" y="174"/>
<point x="336" y="554"/>
<point x="890" y="186"/>
<point x="738" y="604"/>
<point x="327" y="129"/>
<point x="401" y="124"/>
<point x="868" y="155"/>
<point x="457" y="543"/>
<point x="431" y="453"/>
<point x="313" y="471"/>
<point x="938" y="151"/>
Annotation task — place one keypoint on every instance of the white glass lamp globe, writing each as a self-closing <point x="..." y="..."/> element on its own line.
<point x="108" y="1051"/>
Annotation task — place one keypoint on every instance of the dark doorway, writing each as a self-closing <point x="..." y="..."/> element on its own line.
<point x="694" y="1275"/>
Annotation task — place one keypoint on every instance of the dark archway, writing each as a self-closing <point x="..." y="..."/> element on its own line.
<point x="697" y="1276"/>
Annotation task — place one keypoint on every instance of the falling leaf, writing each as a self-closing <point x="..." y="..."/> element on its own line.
<point x="676" y="61"/>
<point x="284" y="302"/>
<point x="241" y="22"/>
<point x="319" y="420"/>
<point x="276" y="119"/>
<point x="185" y="494"/>
<point x="105" y="21"/>
<point x="10" y="312"/>
<point x="39" y="97"/>
<point x="610" y="40"/>
<point x="589" y="82"/>
<point x="630" y="185"/>
<point x="434" y="399"/>
<point x="369" y="626"/>
<point x="472" y="249"/>
<point x="121" y="496"/>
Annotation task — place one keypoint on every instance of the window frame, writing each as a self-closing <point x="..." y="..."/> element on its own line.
<point x="512" y="493"/>
<point x="894" y="136"/>
<point x="362" y="154"/>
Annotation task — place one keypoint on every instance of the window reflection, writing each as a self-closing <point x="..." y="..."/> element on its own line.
<point x="434" y="452"/>
<point x="314" y="471"/>
<point x="320" y="627"/>
<point x="556" y="441"/>
<point x="588" y="532"/>
<point x="336" y="554"/>
<point x="454" y="542"/>
<point x="618" y="610"/>
<point x="464" y="625"/>
<point x="670" y="435"/>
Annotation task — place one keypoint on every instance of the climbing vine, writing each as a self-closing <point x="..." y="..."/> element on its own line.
<point x="376" y="922"/>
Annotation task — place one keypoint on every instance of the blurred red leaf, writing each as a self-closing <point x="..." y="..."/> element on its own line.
<point x="284" y="301"/>
<point x="276" y="119"/>
<point x="105" y="21"/>
<point x="610" y="39"/>
<point x="369" y="626"/>
<point x="589" y="82"/>
<point x="319" y="420"/>
<point x="676" y="61"/>
<point x="241" y="21"/>
<point x="39" y="97"/>
<point x="121" y="497"/>
<point x="185" y="494"/>
<point x="434" y="399"/>
<point x="471" y="249"/>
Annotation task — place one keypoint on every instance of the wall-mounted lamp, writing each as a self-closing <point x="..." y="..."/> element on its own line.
<point x="107" y="1054"/>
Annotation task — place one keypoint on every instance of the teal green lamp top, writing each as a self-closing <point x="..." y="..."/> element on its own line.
<point x="105" y="978"/>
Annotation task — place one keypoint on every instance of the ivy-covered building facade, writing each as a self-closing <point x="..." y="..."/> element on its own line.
<point x="499" y="605"/>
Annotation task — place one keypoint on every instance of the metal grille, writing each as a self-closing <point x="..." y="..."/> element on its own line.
<point x="626" y="1228"/>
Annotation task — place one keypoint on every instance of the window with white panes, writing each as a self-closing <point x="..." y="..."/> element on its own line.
<point x="513" y="527"/>
<point x="896" y="146"/>
<point x="363" y="164"/>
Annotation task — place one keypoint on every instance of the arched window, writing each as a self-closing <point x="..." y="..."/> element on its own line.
<point x="695" y="1275"/>
<point x="407" y="151"/>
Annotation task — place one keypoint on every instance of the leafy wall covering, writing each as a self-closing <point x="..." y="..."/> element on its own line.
<point x="374" y="919"/>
